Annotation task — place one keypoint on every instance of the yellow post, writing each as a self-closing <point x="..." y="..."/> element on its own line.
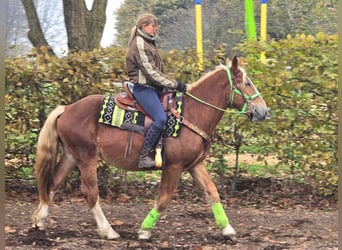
<point x="263" y="27"/>
<point x="199" y="40"/>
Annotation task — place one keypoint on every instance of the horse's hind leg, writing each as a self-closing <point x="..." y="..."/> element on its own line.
<point x="200" y="174"/>
<point x="91" y="192"/>
<point x="40" y="215"/>
<point x="62" y="169"/>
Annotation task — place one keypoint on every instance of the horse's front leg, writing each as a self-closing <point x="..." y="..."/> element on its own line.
<point x="200" y="174"/>
<point x="168" y="185"/>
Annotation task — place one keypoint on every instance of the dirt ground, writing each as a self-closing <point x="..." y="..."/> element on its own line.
<point x="266" y="213"/>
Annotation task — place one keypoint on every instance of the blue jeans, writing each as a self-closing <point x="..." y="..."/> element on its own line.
<point x="149" y="100"/>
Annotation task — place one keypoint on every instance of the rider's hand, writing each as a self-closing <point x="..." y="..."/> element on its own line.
<point x="181" y="87"/>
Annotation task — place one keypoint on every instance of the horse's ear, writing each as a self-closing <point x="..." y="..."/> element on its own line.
<point x="235" y="63"/>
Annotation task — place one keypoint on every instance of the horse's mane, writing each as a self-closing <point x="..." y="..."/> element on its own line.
<point x="210" y="73"/>
<point x="207" y="75"/>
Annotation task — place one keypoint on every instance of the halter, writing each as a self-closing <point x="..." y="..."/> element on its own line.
<point x="233" y="90"/>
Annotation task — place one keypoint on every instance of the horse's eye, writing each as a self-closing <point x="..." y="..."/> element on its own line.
<point x="247" y="84"/>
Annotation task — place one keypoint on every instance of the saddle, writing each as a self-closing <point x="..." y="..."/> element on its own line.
<point x="127" y="101"/>
<point x="128" y="110"/>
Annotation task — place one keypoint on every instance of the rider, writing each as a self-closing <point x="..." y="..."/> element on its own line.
<point x="145" y="69"/>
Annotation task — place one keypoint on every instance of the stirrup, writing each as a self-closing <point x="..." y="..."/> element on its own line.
<point x="158" y="158"/>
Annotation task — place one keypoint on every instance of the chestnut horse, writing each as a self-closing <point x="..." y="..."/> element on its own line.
<point x="75" y="128"/>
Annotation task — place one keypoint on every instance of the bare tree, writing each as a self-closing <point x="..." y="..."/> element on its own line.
<point x="84" y="27"/>
<point x="35" y="34"/>
<point x="14" y="28"/>
<point x="51" y="17"/>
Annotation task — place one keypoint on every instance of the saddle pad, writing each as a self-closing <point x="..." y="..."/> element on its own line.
<point x="112" y="115"/>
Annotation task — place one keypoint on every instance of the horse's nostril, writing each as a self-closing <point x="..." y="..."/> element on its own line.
<point x="259" y="113"/>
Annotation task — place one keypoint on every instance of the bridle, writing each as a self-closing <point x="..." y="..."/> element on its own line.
<point x="233" y="90"/>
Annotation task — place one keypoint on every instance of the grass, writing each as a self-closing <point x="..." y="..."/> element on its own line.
<point x="264" y="170"/>
<point x="252" y="149"/>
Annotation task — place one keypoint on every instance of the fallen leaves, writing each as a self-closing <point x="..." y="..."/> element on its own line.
<point x="116" y="222"/>
<point x="122" y="198"/>
<point x="9" y="229"/>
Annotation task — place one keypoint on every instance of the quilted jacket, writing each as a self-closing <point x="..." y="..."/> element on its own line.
<point x="144" y="64"/>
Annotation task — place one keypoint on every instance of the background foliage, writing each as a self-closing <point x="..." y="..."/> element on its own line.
<point x="298" y="82"/>
<point x="223" y="21"/>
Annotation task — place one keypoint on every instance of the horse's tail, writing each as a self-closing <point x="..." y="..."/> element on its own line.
<point x="47" y="150"/>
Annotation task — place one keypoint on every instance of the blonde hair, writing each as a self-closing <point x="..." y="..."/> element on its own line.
<point x="143" y="19"/>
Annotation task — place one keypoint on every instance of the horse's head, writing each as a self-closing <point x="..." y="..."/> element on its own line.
<point x="244" y="95"/>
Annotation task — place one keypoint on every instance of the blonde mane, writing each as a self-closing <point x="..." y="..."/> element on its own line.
<point x="218" y="68"/>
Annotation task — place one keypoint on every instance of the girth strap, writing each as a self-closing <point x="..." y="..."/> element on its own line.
<point x="193" y="127"/>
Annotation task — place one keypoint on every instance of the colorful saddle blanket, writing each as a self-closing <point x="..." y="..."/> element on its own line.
<point x="132" y="120"/>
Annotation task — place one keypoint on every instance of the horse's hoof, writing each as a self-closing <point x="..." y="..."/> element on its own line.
<point x="109" y="234"/>
<point x="40" y="225"/>
<point x="35" y="228"/>
<point x="233" y="239"/>
<point x="39" y="217"/>
<point x="113" y="235"/>
<point x="230" y="233"/>
<point x="144" y="234"/>
<point x="228" y="230"/>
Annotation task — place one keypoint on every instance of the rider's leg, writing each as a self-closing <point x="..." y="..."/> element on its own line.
<point x="148" y="98"/>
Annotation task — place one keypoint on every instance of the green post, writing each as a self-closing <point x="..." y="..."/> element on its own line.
<point x="249" y="20"/>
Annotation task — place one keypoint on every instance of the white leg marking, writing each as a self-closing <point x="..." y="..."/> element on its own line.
<point x="39" y="216"/>
<point x="144" y="234"/>
<point x="41" y="213"/>
<point x="228" y="231"/>
<point x="104" y="228"/>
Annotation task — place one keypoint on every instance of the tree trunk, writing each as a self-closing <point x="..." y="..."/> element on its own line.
<point x="96" y="20"/>
<point x="84" y="27"/>
<point x="236" y="170"/>
<point x="35" y="34"/>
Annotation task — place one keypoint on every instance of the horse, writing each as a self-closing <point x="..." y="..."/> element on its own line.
<point x="74" y="128"/>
